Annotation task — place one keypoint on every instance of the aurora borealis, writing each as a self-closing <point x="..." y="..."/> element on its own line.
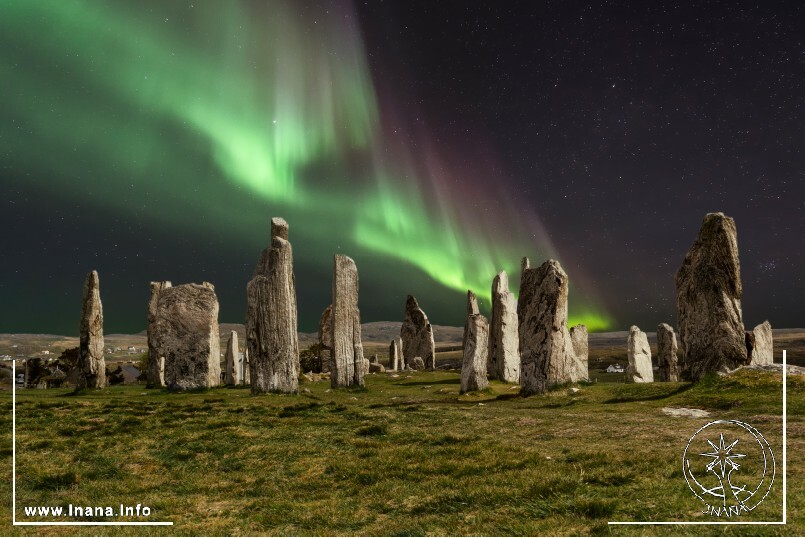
<point x="155" y="140"/>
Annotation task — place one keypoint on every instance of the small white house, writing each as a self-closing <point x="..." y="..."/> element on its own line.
<point x="615" y="369"/>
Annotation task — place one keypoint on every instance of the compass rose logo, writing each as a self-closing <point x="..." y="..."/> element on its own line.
<point x="729" y="466"/>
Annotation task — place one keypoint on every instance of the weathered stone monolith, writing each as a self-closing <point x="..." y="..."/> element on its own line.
<point x="708" y="284"/>
<point x="472" y="309"/>
<point x="91" y="363"/>
<point x="348" y="364"/>
<point x="232" y="361"/>
<point x="667" y="359"/>
<point x="546" y="351"/>
<point x="416" y="364"/>
<point x="638" y="352"/>
<point x="394" y="356"/>
<point x="184" y="334"/>
<point x="156" y="362"/>
<point x="326" y="339"/>
<point x="761" y="350"/>
<point x="417" y="335"/>
<point x="473" y="367"/>
<point x="504" y="343"/>
<point x="271" y="328"/>
<point x="581" y="348"/>
<point x="245" y="374"/>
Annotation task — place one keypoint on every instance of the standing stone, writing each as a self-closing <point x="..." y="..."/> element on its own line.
<point x="271" y="328"/>
<point x="326" y="339"/>
<point x="504" y="343"/>
<point x="156" y="362"/>
<point x="91" y="364"/>
<point x="232" y="361"/>
<point x="708" y="284"/>
<point x="581" y="347"/>
<point x="417" y="335"/>
<point x="546" y="351"/>
<point x="416" y="364"/>
<point x="394" y="356"/>
<point x="246" y="368"/>
<point x="762" y="345"/>
<point x="639" y="355"/>
<point x="473" y="368"/>
<point x="472" y="309"/>
<point x="348" y="364"/>
<point x="666" y="353"/>
<point x="184" y="334"/>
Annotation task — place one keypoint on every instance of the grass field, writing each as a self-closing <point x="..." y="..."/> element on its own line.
<point x="406" y="456"/>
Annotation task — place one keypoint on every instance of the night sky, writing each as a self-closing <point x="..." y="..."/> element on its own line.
<point x="436" y="143"/>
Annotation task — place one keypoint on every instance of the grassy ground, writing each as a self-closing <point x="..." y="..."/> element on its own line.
<point x="406" y="456"/>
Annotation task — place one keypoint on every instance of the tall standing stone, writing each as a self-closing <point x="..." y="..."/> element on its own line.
<point x="245" y="370"/>
<point x="156" y="362"/>
<point x="348" y="364"/>
<point x="326" y="339"/>
<point x="184" y="334"/>
<point x="472" y="309"/>
<point x="581" y="348"/>
<point x="546" y="351"/>
<point x="394" y="356"/>
<point x="504" y="343"/>
<point x="473" y="367"/>
<point x="271" y="323"/>
<point x="232" y="361"/>
<point x="761" y="349"/>
<point x="91" y="363"/>
<point x="417" y="335"/>
<point x="708" y="284"/>
<point x="638" y="353"/>
<point x="667" y="359"/>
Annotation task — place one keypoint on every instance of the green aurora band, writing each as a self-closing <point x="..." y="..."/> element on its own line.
<point x="190" y="104"/>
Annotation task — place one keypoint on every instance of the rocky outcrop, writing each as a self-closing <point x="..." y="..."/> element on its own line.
<point x="546" y="351"/>
<point x="708" y="284"/>
<point x="326" y="339"/>
<point x="184" y="334"/>
<point x="473" y="368"/>
<point x="394" y="356"/>
<point x="581" y="348"/>
<point x="271" y="328"/>
<point x="504" y="344"/>
<point x="156" y="362"/>
<point x="666" y="354"/>
<point x="760" y="345"/>
<point x="417" y="335"/>
<point x="348" y="364"/>
<point x="232" y="361"/>
<point x="91" y="363"/>
<point x="638" y="353"/>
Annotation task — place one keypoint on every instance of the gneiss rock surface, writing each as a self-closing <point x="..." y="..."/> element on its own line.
<point x="762" y="350"/>
<point x="504" y="343"/>
<point x="231" y="360"/>
<point x="156" y="362"/>
<point x="581" y="349"/>
<point x="638" y="353"/>
<point x="417" y="335"/>
<point x="326" y="338"/>
<point x="271" y="329"/>
<point x="708" y="284"/>
<point x="185" y="334"/>
<point x="473" y="368"/>
<point x="417" y="364"/>
<point x="394" y="356"/>
<point x="348" y="364"/>
<point x="546" y="351"/>
<point x="667" y="359"/>
<point x="91" y="363"/>
<point x="472" y="309"/>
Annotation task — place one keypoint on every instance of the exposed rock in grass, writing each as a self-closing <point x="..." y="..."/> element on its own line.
<point x="348" y="364"/>
<point x="685" y="412"/>
<point x="666" y="353"/>
<point x="504" y="345"/>
<point x="711" y="330"/>
<point x="417" y="335"/>
<point x="91" y="363"/>
<point x="639" y="355"/>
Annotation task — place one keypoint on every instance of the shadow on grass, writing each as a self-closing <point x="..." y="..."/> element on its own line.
<point x="456" y="381"/>
<point x="649" y="397"/>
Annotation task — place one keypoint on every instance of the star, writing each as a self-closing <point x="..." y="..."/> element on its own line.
<point x="722" y="457"/>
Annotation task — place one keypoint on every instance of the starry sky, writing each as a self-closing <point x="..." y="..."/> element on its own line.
<point x="436" y="143"/>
